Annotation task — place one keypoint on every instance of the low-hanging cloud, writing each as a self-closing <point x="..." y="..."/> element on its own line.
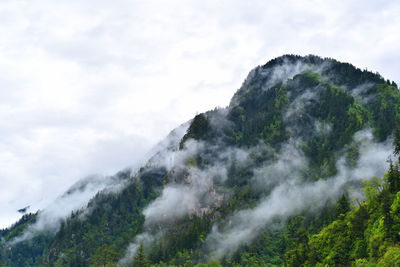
<point x="290" y="196"/>
<point x="79" y="194"/>
<point x="289" y="163"/>
<point x="174" y="202"/>
<point x="281" y="179"/>
<point x="191" y="190"/>
<point x="282" y="72"/>
<point x="77" y="197"/>
<point x="282" y="176"/>
<point x="144" y="238"/>
<point x="69" y="68"/>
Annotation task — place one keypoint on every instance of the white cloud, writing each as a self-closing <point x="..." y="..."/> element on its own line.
<point x="290" y="195"/>
<point x="76" y="198"/>
<point x="89" y="86"/>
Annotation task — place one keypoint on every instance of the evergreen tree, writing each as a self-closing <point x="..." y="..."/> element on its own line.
<point x="396" y="141"/>
<point x="327" y="123"/>
<point x="387" y="218"/>
<point x="140" y="259"/>
<point x="393" y="177"/>
<point x="104" y="256"/>
<point x="342" y="206"/>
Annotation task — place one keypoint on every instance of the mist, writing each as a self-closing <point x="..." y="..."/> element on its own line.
<point x="76" y="198"/>
<point x="290" y="196"/>
<point x="144" y="238"/>
<point x="285" y="189"/>
<point x="192" y="188"/>
<point x="80" y="193"/>
<point x="282" y="176"/>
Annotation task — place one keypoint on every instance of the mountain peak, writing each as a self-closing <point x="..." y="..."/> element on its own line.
<point x="278" y="71"/>
<point x="297" y="135"/>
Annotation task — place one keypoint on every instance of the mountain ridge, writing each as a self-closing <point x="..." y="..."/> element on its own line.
<point x="297" y="126"/>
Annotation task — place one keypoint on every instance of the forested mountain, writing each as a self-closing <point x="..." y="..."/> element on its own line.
<point x="298" y="170"/>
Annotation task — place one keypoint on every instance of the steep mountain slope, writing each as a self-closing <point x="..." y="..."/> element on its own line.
<point x="242" y="185"/>
<point x="367" y="235"/>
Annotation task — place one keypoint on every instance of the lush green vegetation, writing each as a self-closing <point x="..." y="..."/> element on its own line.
<point x="367" y="235"/>
<point x="323" y="109"/>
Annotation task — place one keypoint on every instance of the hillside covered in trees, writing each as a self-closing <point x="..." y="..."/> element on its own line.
<point x="301" y="169"/>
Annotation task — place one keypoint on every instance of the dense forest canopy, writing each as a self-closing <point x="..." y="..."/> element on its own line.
<point x="293" y="172"/>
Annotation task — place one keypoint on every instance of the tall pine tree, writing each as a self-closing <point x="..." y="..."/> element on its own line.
<point x="140" y="259"/>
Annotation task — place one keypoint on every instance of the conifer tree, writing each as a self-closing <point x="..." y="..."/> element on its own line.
<point x="396" y="141"/>
<point x="104" y="256"/>
<point x="393" y="177"/>
<point x="387" y="218"/>
<point x="342" y="206"/>
<point x="140" y="259"/>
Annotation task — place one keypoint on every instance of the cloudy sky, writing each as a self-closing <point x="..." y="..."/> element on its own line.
<point x="89" y="86"/>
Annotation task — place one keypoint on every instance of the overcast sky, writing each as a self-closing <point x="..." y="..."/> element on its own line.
<point x="89" y="86"/>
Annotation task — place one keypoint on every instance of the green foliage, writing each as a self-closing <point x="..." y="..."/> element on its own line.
<point x="385" y="109"/>
<point x="140" y="258"/>
<point x="105" y="256"/>
<point x="113" y="220"/>
<point x="371" y="189"/>
<point x="396" y="141"/>
<point x="180" y="239"/>
<point x="346" y="116"/>
<point x="391" y="257"/>
<point x="259" y="116"/>
<point x="198" y="129"/>
<point x="365" y="236"/>
<point x="343" y="206"/>
<point x="393" y="177"/>
<point x="326" y="111"/>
